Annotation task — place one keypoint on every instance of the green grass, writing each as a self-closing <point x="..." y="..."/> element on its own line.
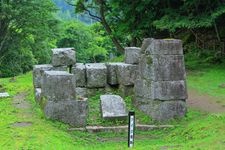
<point x="196" y="131"/>
<point x="210" y="80"/>
<point x="94" y="117"/>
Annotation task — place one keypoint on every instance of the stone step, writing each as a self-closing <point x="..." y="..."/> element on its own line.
<point x="139" y="127"/>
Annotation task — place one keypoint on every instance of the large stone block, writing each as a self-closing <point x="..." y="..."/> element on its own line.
<point x="38" y="72"/>
<point x="145" y="44"/>
<point x="112" y="106"/>
<point x="60" y="68"/>
<point x="132" y="55"/>
<point x="143" y="88"/>
<point x="81" y="92"/>
<point x="168" y="68"/>
<point x="59" y="85"/>
<point x="96" y="75"/>
<point x="163" y="110"/>
<point x="168" y="90"/>
<point x="145" y="69"/>
<point x="165" y="47"/>
<point x="63" y="57"/>
<point x="80" y="72"/>
<point x="127" y="73"/>
<point x="72" y="112"/>
<point x="112" y="76"/>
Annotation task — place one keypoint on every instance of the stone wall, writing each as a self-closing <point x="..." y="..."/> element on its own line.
<point x="55" y="89"/>
<point x="160" y="88"/>
<point x="154" y="73"/>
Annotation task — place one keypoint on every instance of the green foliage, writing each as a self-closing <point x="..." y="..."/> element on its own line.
<point x="130" y="22"/>
<point x="196" y="57"/>
<point x="190" y="15"/>
<point x="117" y="59"/>
<point x="89" y="41"/>
<point x="20" y="61"/>
<point x="27" y="32"/>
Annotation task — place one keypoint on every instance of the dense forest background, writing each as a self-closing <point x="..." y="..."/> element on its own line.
<point x="100" y="29"/>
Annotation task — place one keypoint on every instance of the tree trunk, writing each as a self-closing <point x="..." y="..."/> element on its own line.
<point x="108" y="29"/>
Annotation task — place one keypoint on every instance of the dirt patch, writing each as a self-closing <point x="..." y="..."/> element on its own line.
<point x="20" y="103"/>
<point x="22" y="124"/>
<point x="25" y="110"/>
<point x="203" y="102"/>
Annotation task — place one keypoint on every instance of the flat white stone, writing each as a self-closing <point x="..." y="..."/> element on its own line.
<point x="113" y="106"/>
<point x="5" y="94"/>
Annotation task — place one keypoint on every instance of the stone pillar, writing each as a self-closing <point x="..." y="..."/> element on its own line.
<point x="59" y="99"/>
<point x="160" y="88"/>
<point x="38" y="73"/>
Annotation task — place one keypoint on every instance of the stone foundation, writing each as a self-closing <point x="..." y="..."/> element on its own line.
<point x="154" y="74"/>
<point x="160" y="88"/>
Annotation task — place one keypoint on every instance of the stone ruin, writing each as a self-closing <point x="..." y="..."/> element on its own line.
<point x="154" y="74"/>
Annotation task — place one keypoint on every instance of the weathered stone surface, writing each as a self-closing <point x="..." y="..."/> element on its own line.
<point x="160" y="88"/>
<point x="145" y="69"/>
<point x="169" y="90"/>
<point x="112" y="106"/>
<point x="59" y="85"/>
<point x="73" y="112"/>
<point x="165" y="47"/>
<point x="38" y="95"/>
<point x="63" y="57"/>
<point x="163" y="110"/>
<point x="168" y="68"/>
<point x="145" y="44"/>
<point x="60" y="68"/>
<point x="126" y="73"/>
<point x="112" y="76"/>
<point x="132" y="55"/>
<point x="81" y="92"/>
<point x="126" y="90"/>
<point x="143" y="88"/>
<point x="96" y="75"/>
<point x="80" y="72"/>
<point x="38" y="72"/>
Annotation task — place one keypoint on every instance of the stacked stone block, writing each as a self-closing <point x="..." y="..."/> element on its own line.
<point x="59" y="99"/>
<point x="79" y="70"/>
<point x="56" y="89"/>
<point x="96" y="75"/>
<point x="63" y="57"/>
<point x="123" y="76"/>
<point x="155" y="73"/>
<point x="160" y="88"/>
<point x="132" y="55"/>
<point x="38" y="72"/>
